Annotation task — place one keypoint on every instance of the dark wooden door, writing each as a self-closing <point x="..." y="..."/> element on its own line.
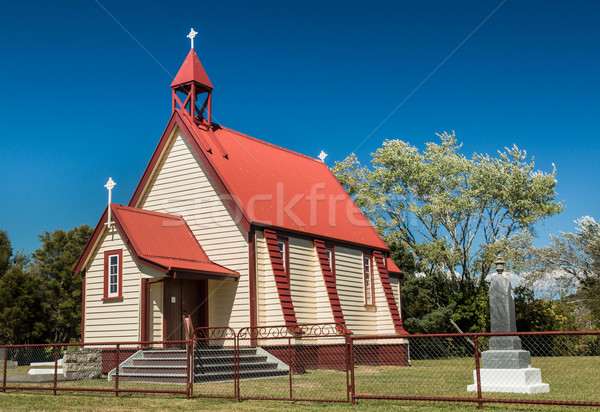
<point x="194" y="302"/>
<point x="184" y="297"/>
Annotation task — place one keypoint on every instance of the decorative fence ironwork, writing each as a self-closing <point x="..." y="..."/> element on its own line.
<point x="304" y="362"/>
<point x="321" y="362"/>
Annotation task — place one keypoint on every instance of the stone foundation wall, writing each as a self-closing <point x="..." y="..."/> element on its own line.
<point x="82" y="364"/>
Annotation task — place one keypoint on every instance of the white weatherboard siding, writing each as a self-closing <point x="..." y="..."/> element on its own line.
<point x="182" y="186"/>
<point x="307" y="285"/>
<point x="269" y="306"/>
<point x="303" y="278"/>
<point x="349" y="280"/>
<point x="221" y="296"/>
<point x="385" y="324"/>
<point x="397" y="286"/>
<point x="156" y="311"/>
<point x="395" y="282"/>
<point x="111" y="320"/>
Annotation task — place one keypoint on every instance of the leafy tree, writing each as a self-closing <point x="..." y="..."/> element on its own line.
<point x="573" y="259"/>
<point x="453" y="213"/>
<point x="5" y="252"/>
<point x="434" y="304"/>
<point x="54" y="263"/>
<point x="21" y="307"/>
<point x="428" y="303"/>
<point x="535" y="315"/>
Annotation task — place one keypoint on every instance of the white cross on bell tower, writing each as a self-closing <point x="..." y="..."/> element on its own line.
<point x="109" y="185"/>
<point x="192" y="35"/>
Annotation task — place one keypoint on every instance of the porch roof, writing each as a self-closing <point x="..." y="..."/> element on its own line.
<point x="162" y="241"/>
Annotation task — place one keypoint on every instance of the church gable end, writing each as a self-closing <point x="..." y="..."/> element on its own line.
<point x="182" y="185"/>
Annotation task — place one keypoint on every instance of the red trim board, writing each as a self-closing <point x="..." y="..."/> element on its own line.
<point x="329" y="278"/>
<point x="281" y="281"/>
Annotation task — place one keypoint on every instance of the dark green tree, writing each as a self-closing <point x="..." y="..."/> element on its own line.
<point x="403" y="257"/>
<point x="21" y="307"/>
<point x="428" y="303"/>
<point x="536" y="314"/>
<point x="6" y="252"/>
<point x="54" y="263"/>
<point x="435" y="303"/>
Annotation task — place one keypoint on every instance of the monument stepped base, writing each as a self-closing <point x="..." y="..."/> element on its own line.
<point x="525" y="380"/>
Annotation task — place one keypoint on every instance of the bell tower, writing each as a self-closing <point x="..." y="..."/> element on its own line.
<point x="193" y="84"/>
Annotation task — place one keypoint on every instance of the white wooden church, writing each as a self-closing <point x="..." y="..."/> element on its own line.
<point x="229" y="230"/>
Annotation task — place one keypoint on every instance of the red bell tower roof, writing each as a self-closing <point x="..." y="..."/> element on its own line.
<point x="191" y="83"/>
<point x="192" y="71"/>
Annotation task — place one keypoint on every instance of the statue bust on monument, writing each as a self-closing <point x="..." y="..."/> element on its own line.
<point x="506" y="367"/>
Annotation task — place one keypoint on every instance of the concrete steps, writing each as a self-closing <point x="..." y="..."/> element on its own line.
<point x="210" y="365"/>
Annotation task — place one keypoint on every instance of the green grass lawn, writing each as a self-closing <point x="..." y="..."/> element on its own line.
<point x="570" y="378"/>
<point x="85" y="402"/>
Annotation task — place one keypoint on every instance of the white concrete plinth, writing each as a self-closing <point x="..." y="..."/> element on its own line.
<point x="59" y="362"/>
<point x="44" y="371"/>
<point x="526" y="380"/>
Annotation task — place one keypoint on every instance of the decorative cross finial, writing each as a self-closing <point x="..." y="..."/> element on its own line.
<point x="192" y="35"/>
<point x="109" y="185"/>
<point x="322" y="156"/>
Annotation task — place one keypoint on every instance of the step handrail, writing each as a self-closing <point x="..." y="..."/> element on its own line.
<point x="189" y="326"/>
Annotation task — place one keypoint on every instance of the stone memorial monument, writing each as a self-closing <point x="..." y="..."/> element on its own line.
<point x="506" y="367"/>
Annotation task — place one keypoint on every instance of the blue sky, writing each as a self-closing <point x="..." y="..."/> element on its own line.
<point x="82" y="100"/>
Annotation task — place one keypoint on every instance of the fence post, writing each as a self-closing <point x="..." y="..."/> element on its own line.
<point x="348" y="365"/>
<point x="189" y="366"/>
<point x="352" y="387"/>
<point x="477" y="371"/>
<point x="292" y="364"/>
<point x="117" y="364"/>
<point x="4" y="371"/>
<point x="236" y="366"/>
<point x="55" y="367"/>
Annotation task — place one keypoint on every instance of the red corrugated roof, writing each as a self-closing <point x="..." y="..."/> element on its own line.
<point x="393" y="268"/>
<point x="280" y="188"/>
<point x="192" y="70"/>
<point x="165" y="241"/>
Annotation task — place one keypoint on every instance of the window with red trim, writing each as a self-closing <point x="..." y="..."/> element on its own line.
<point x="113" y="274"/>
<point x="331" y="258"/>
<point x="369" y="289"/>
<point x="284" y="250"/>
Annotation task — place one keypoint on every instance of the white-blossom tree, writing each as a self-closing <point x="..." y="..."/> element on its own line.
<point x="454" y="213"/>
<point x="573" y="258"/>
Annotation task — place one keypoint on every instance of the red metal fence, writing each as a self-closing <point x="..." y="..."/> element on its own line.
<point x="308" y="362"/>
<point x="321" y="363"/>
